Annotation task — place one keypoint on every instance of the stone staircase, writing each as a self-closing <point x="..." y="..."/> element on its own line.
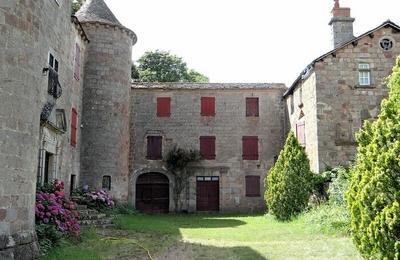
<point x="93" y="218"/>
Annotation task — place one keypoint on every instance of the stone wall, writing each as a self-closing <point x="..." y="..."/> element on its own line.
<point x="186" y="125"/>
<point x="302" y="108"/>
<point x="29" y="31"/>
<point x="341" y="103"/>
<point x="106" y="108"/>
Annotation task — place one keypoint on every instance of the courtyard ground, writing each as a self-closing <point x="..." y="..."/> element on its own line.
<point x="207" y="237"/>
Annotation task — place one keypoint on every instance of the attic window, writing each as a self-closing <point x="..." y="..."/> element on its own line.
<point x="386" y="44"/>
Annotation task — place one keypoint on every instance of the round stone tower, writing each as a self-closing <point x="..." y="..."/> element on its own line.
<point x="106" y="100"/>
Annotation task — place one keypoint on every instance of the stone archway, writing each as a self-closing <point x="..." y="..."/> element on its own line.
<point x="152" y="193"/>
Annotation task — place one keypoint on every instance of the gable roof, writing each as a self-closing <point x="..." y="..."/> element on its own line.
<point x="96" y="11"/>
<point x="309" y="67"/>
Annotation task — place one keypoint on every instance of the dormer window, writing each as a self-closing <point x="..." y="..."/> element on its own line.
<point x="364" y="74"/>
<point x="53" y="62"/>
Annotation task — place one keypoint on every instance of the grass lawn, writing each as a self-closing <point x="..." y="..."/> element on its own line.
<point x="208" y="237"/>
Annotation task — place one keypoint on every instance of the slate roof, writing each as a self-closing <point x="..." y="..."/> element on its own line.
<point x="306" y="71"/>
<point x="97" y="11"/>
<point x="199" y="86"/>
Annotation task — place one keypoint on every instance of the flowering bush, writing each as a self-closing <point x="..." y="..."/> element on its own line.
<point x="95" y="199"/>
<point x="53" y="208"/>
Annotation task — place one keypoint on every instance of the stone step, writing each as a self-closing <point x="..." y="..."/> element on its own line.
<point x="96" y="222"/>
<point x="88" y="212"/>
<point x="92" y="216"/>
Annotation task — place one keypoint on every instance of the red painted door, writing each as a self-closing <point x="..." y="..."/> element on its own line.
<point x="152" y="193"/>
<point x="207" y="194"/>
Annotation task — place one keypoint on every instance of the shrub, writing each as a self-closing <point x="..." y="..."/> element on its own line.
<point x="338" y="186"/>
<point x="289" y="182"/>
<point x="374" y="190"/>
<point x="48" y="237"/>
<point x="94" y="199"/>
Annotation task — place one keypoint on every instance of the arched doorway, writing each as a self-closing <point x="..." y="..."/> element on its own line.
<point x="152" y="193"/>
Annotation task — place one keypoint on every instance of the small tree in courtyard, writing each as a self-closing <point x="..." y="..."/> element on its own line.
<point x="177" y="160"/>
<point x="374" y="191"/>
<point x="289" y="182"/>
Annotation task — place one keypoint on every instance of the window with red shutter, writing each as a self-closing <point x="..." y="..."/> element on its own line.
<point x="252" y="106"/>
<point x="154" y="148"/>
<point x="74" y="127"/>
<point x="163" y="106"/>
<point x="250" y="147"/>
<point x="301" y="133"/>
<point x="207" y="106"/>
<point x="252" y="186"/>
<point x="207" y="147"/>
<point x="77" y="68"/>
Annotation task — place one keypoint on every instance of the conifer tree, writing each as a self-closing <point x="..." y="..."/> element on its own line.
<point x="289" y="182"/>
<point x="374" y="191"/>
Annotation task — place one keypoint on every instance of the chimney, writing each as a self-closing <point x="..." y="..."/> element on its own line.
<point x="342" y="25"/>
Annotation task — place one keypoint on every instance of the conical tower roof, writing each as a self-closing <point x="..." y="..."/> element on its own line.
<point x="97" y="11"/>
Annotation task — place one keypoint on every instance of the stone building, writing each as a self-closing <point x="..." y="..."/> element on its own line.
<point x="68" y="111"/>
<point x="339" y="90"/>
<point x="238" y="128"/>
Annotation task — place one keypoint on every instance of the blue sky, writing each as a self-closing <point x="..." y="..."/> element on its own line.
<point x="244" y="41"/>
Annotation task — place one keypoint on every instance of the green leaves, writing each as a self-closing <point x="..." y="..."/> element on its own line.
<point x="161" y="66"/>
<point x="289" y="182"/>
<point x="374" y="192"/>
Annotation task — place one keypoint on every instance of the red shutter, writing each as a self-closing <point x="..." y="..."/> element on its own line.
<point x="74" y="126"/>
<point x="163" y="106"/>
<point x="250" y="147"/>
<point x="207" y="147"/>
<point x="252" y="106"/>
<point x="208" y="106"/>
<point x="252" y="186"/>
<point x="77" y="68"/>
<point x="301" y="133"/>
<point x="154" y="147"/>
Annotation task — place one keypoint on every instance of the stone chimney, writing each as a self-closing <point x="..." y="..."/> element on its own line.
<point x="342" y="25"/>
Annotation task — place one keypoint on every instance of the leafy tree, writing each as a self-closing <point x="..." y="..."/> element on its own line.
<point x="289" y="182"/>
<point x="76" y="4"/>
<point x="134" y="72"/>
<point x="161" y="66"/>
<point x="177" y="160"/>
<point x="374" y="191"/>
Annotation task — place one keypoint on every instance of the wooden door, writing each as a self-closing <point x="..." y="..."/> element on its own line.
<point x="207" y="194"/>
<point x="152" y="193"/>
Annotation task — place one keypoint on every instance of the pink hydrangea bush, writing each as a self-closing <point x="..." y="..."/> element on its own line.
<point x="95" y="199"/>
<point x="52" y="207"/>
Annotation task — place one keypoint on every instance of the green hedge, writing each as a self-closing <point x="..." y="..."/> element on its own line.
<point x="374" y="191"/>
<point x="289" y="182"/>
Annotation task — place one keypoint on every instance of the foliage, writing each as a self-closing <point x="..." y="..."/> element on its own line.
<point x="76" y="4"/>
<point x="289" y="182"/>
<point x="48" y="237"/>
<point x="95" y="199"/>
<point x="374" y="190"/>
<point x="328" y="218"/>
<point x="339" y="183"/>
<point x="177" y="160"/>
<point x="161" y="66"/>
<point x="124" y="209"/>
<point x="53" y="208"/>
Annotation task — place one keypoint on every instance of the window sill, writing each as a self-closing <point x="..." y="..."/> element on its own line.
<point x="253" y="196"/>
<point x="364" y="86"/>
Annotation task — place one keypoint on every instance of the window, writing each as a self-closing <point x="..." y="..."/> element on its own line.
<point x="53" y="62"/>
<point x="60" y="120"/>
<point x="106" y="184"/>
<point x="250" y="147"/>
<point x="252" y="186"/>
<point x="154" y="148"/>
<point x="207" y="106"/>
<point x="163" y="106"/>
<point x="386" y="44"/>
<point x="364" y="74"/>
<point x="252" y="106"/>
<point x="300" y="97"/>
<point x="207" y="147"/>
<point x="301" y="133"/>
<point x="77" y="67"/>
<point x="74" y="126"/>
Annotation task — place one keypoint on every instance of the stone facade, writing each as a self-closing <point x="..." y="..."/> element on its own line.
<point x="30" y="31"/>
<point x="185" y="125"/>
<point x="335" y="103"/>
